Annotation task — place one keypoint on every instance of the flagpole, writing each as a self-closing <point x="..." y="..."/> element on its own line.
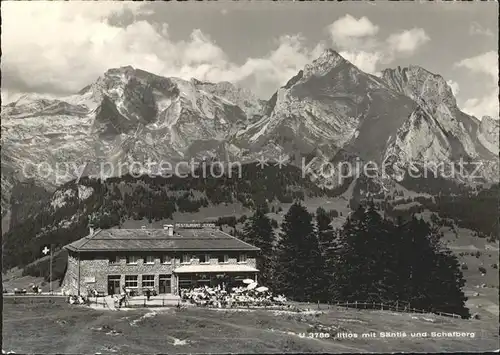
<point x="50" y="277"/>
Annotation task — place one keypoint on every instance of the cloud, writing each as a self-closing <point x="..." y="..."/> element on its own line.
<point x="358" y="42"/>
<point x="366" y="61"/>
<point x="290" y="56"/>
<point x="407" y="41"/>
<point x="9" y="95"/>
<point x="484" y="106"/>
<point x="476" y="29"/>
<point x="60" y="47"/>
<point x="455" y="88"/>
<point x="348" y="32"/>
<point x="486" y="64"/>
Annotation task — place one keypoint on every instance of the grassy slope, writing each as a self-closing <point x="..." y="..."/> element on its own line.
<point x="44" y="327"/>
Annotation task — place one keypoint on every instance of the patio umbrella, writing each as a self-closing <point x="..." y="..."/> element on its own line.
<point x="247" y="281"/>
<point x="261" y="289"/>
<point x="252" y="286"/>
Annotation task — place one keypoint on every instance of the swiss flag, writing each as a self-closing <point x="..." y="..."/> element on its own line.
<point x="46" y="250"/>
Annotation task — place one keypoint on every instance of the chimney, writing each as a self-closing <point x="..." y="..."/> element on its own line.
<point x="169" y="228"/>
<point x="91" y="229"/>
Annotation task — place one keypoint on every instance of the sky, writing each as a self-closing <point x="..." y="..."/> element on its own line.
<point x="57" y="48"/>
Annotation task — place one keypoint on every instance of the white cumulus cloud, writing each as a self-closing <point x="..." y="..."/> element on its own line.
<point x="60" y="47"/>
<point x="455" y="88"/>
<point x="483" y="106"/>
<point x="357" y="41"/>
<point x="486" y="64"/>
<point x="349" y="32"/>
<point x="407" y="41"/>
<point x="476" y="29"/>
<point x="366" y="61"/>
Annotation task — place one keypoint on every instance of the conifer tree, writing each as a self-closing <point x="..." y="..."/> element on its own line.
<point x="324" y="229"/>
<point x="349" y="262"/>
<point x="328" y="248"/>
<point x="258" y="231"/>
<point x="299" y="272"/>
<point x="435" y="280"/>
<point x="323" y="220"/>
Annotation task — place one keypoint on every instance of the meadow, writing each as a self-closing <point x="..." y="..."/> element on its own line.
<point x="49" y="325"/>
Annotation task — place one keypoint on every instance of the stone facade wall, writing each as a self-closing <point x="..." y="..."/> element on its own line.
<point x="94" y="269"/>
<point x="70" y="281"/>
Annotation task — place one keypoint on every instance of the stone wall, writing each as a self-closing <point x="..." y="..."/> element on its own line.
<point x="70" y="281"/>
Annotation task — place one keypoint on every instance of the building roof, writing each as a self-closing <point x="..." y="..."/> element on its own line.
<point x="214" y="268"/>
<point x="159" y="240"/>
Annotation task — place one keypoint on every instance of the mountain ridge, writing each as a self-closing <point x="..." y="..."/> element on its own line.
<point x="330" y="105"/>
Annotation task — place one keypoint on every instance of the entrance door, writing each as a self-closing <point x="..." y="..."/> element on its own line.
<point x="113" y="284"/>
<point x="164" y="284"/>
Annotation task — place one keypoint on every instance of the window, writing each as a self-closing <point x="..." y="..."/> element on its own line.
<point x="186" y="258"/>
<point x="204" y="258"/>
<point x="148" y="281"/>
<point x="132" y="259"/>
<point x="166" y="259"/>
<point x="149" y="259"/>
<point x="114" y="259"/>
<point x="223" y="258"/>
<point x="242" y="258"/>
<point x="130" y="280"/>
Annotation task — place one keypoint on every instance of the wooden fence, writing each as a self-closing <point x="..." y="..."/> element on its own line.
<point x="395" y="307"/>
<point x="107" y="302"/>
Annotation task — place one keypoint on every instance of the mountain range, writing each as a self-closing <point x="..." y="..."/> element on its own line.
<point x="407" y="116"/>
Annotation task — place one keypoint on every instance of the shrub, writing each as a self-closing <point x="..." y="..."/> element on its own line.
<point x="482" y="270"/>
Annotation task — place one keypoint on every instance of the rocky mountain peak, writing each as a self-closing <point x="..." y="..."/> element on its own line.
<point x="328" y="60"/>
<point x="233" y="94"/>
<point x="426" y="88"/>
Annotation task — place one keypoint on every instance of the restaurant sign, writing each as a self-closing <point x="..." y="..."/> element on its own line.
<point x="195" y="225"/>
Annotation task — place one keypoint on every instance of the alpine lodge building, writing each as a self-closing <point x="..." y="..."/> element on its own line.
<point x="161" y="260"/>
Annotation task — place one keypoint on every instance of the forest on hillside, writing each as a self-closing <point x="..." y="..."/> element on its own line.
<point x="154" y="198"/>
<point x="475" y="209"/>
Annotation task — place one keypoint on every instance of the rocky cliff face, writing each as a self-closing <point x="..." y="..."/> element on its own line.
<point x="436" y="131"/>
<point x="488" y="133"/>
